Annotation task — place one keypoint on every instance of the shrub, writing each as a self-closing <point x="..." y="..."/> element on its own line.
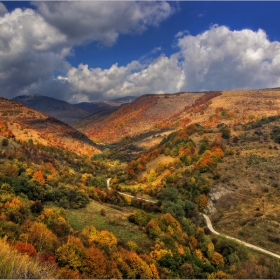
<point x="5" y="142"/>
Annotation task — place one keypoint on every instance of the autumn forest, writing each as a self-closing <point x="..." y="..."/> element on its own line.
<point x="121" y="197"/>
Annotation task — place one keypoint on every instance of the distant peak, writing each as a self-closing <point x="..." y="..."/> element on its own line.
<point x="27" y="96"/>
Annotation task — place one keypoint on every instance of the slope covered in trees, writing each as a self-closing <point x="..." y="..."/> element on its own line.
<point x="22" y="124"/>
<point x="172" y="111"/>
<point x="228" y="171"/>
<point x="45" y="189"/>
<point x="148" y="112"/>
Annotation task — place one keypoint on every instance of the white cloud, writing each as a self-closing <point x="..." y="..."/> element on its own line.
<point x="214" y="60"/>
<point x="99" y="21"/>
<point x="182" y="33"/>
<point x="162" y="75"/>
<point x="221" y="59"/>
<point x="30" y="50"/>
<point x="34" y="44"/>
<point x="3" y="9"/>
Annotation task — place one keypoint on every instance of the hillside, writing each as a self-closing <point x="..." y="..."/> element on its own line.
<point x="21" y="123"/>
<point x="232" y="172"/>
<point x="146" y="113"/>
<point x="58" y="212"/>
<point x="166" y="111"/>
<point x="56" y="108"/>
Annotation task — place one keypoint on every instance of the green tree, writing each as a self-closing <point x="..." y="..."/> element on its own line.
<point x="152" y="176"/>
<point x="169" y="194"/>
<point x="5" y="142"/>
<point x="226" y="132"/>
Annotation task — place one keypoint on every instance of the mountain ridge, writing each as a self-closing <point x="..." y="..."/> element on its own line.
<point x="159" y="112"/>
<point x="58" y="109"/>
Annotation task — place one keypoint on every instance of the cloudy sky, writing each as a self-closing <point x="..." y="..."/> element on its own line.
<point x="90" y="51"/>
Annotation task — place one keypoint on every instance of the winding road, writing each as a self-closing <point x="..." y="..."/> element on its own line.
<point x="209" y="225"/>
<point x="128" y="195"/>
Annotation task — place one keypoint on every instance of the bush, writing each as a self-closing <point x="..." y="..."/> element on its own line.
<point x="226" y="133"/>
<point x="5" y="142"/>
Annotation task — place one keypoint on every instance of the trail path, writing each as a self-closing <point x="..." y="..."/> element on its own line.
<point x="209" y="225"/>
<point x="128" y="195"/>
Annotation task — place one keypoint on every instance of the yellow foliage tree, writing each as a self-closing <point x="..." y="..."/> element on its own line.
<point x="43" y="239"/>
<point x="217" y="259"/>
<point x="106" y="238"/>
<point x="158" y="254"/>
<point x="218" y="275"/>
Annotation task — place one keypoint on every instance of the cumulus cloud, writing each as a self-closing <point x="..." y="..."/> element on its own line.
<point x="34" y="44"/>
<point x="30" y="50"/>
<point x="162" y="75"/>
<point x="3" y="9"/>
<point x="99" y="21"/>
<point x="217" y="59"/>
<point x="223" y="59"/>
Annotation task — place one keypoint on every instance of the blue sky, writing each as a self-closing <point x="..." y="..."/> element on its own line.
<point x="91" y="51"/>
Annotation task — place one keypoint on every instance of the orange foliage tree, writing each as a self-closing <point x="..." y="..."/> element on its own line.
<point x="38" y="176"/>
<point x="25" y="248"/>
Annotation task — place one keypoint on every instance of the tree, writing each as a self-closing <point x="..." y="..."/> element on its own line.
<point x="217" y="259"/>
<point x="186" y="271"/>
<point x="152" y="176"/>
<point x="202" y="201"/>
<point x="71" y="254"/>
<point x="38" y="176"/>
<point x="26" y="248"/>
<point x="168" y="220"/>
<point x="169" y="194"/>
<point x="5" y="142"/>
<point x="218" y="275"/>
<point x="226" y="133"/>
<point x="175" y="209"/>
<point x="37" y="207"/>
<point x="95" y="263"/>
<point x="43" y="239"/>
<point x="106" y="239"/>
<point x="153" y="229"/>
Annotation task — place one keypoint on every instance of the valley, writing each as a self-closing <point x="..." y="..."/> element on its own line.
<point x="184" y="154"/>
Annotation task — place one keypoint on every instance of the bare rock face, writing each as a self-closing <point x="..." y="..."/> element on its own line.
<point x="214" y="196"/>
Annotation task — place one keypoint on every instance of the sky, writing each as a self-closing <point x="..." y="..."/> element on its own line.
<point x="85" y="51"/>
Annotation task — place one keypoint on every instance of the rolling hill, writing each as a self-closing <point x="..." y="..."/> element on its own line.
<point x="22" y="123"/>
<point x="57" y="210"/>
<point x="56" y="108"/>
<point x="172" y="111"/>
<point x="142" y="115"/>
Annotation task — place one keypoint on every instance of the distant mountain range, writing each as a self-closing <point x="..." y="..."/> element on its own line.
<point x="69" y="113"/>
<point x="56" y="108"/>
<point x="112" y="105"/>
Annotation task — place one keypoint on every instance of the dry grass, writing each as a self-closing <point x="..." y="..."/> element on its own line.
<point x="251" y="211"/>
<point x="112" y="218"/>
<point x="17" y="266"/>
<point x="152" y="141"/>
